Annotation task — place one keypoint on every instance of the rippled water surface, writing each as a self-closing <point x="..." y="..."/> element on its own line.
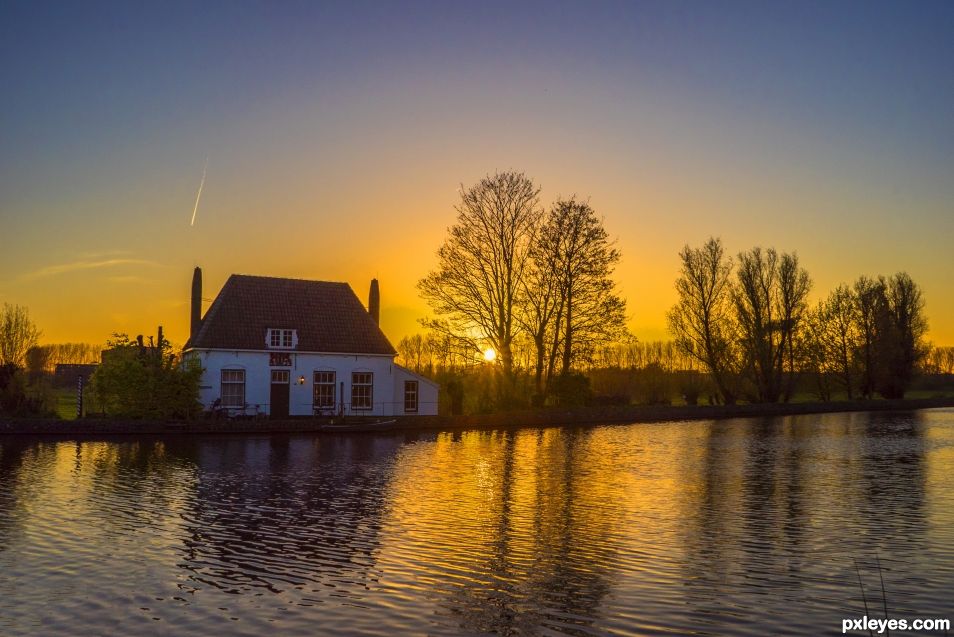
<point x="735" y="527"/>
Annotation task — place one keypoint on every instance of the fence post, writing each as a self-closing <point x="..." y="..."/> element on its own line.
<point x="79" y="396"/>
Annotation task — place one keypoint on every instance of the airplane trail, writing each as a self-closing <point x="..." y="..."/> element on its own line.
<point x="199" y="194"/>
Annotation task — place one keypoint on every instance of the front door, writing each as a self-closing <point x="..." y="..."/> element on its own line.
<point x="279" y="397"/>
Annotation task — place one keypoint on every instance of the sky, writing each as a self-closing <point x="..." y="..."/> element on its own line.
<point x="337" y="136"/>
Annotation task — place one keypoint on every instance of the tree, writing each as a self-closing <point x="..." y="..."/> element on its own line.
<point x="840" y="336"/>
<point x="870" y="298"/>
<point x="139" y="380"/>
<point x="892" y="324"/>
<point x="770" y="305"/>
<point x="17" y="334"/>
<point x="592" y="313"/>
<point x="901" y="337"/>
<point x="570" y="307"/>
<point x="482" y="261"/>
<point x="701" y="319"/>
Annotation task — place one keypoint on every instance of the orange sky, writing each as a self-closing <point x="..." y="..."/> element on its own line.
<point x="343" y="162"/>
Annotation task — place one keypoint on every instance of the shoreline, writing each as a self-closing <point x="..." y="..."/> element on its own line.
<point x="550" y="417"/>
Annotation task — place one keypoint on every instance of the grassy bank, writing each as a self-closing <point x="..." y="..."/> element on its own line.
<point x="583" y="416"/>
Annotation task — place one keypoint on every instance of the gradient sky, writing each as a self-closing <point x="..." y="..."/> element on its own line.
<point x="337" y="136"/>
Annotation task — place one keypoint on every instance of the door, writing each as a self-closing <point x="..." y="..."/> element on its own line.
<point x="279" y="397"/>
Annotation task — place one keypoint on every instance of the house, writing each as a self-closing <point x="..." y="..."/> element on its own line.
<point x="291" y="347"/>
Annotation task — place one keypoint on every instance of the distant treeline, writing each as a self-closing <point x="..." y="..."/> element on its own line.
<point x="45" y="358"/>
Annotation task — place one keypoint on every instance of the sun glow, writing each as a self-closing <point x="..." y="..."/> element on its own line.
<point x="490" y="355"/>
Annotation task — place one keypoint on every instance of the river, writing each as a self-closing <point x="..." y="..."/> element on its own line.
<point x="730" y="527"/>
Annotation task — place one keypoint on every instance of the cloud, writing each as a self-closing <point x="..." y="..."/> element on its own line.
<point x="53" y="270"/>
<point x="130" y="278"/>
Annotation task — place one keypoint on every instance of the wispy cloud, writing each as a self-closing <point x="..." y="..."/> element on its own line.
<point x="102" y="254"/>
<point x="131" y="278"/>
<point x="63" y="268"/>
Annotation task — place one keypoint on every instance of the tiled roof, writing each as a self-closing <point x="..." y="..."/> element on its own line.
<point x="328" y="317"/>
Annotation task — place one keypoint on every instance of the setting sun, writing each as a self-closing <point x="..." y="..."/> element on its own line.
<point x="490" y="355"/>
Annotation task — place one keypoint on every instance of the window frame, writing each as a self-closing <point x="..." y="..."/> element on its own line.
<point x="281" y="338"/>
<point x="366" y="403"/>
<point x="316" y="400"/>
<point x="232" y="383"/>
<point x="415" y="394"/>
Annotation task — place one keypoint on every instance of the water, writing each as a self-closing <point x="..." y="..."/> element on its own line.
<point x="736" y="527"/>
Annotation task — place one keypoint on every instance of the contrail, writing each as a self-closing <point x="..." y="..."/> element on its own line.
<point x="199" y="194"/>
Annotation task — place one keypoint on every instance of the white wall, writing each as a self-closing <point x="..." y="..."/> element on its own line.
<point x="426" y="388"/>
<point x="388" y="394"/>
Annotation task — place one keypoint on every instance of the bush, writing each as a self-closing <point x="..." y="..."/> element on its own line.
<point x="19" y="398"/>
<point x="572" y="390"/>
<point x="146" y="381"/>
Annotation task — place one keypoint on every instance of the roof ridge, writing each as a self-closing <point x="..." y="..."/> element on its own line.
<point x="286" y="278"/>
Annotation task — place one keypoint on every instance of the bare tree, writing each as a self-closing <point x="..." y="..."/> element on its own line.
<point x="542" y="305"/>
<point x="870" y="298"/>
<point x="840" y="318"/>
<point x="701" y="320"/>
<point x="592" y="312"/>
<point x="18" y="334"/>
<point x="480" y="265"/>
<point x="769" y="299"/>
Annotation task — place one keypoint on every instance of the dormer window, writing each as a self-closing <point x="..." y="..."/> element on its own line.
<point x="281" y="339"/>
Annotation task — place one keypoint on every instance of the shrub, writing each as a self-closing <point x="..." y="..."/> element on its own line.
<point x="146" y="381"/>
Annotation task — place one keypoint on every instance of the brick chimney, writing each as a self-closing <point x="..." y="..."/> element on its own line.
<point x="374" y="302"/>
<point x="196" y="302"/>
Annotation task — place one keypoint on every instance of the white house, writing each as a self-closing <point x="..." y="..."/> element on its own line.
<point x="294" y="347"/>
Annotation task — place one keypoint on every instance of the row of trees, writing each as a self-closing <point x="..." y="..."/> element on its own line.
<point x="509" y="269"/>
<point x="42" y="359"/>
<point x="748" y="323"/>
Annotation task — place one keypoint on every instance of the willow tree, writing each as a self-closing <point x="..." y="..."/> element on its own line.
<point x="701" y="320"/>
<point x="481" y="263"/>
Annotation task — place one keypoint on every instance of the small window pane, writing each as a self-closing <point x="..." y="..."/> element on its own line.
<point x="410" y="395"/>
<point x="324" y="396"/>
<point x="233" y="388"/>
<point x="362" y="386"/>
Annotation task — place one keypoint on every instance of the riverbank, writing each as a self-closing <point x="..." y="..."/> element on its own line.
<point x="583" y="416"/>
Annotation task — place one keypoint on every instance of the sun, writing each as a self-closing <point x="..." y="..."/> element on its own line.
<point x="490" y="355"/>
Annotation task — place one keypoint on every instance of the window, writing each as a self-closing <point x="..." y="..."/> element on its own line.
<point x="280" y="376"/>
<point x="410" y="395"/>
<point x="281" y="339"/>
<point x="362" y="394"/>
<point x="324" y="390"/>
<point x="233" y="388"/>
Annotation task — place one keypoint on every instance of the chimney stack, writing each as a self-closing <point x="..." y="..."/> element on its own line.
<point x="374" y="302"/>
<point x="196" y="302"/>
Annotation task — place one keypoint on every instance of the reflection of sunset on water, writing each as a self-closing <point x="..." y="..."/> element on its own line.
<point x="610" y="529"/>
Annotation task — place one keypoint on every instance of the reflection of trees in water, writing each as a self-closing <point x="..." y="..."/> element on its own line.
<point x="111" y="485"/>
<point x="526" y="516"/>
<point x="12" y="452"/>
<point x="785" y="504"/>
<point x="283" y="512"/>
